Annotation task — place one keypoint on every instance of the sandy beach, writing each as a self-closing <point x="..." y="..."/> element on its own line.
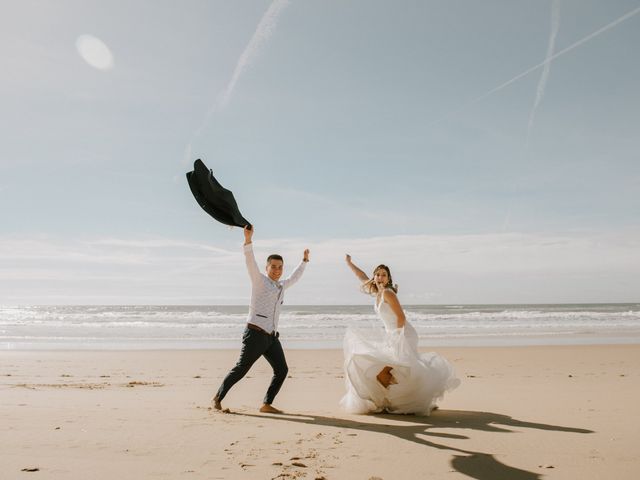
<point x="566" y="412"/>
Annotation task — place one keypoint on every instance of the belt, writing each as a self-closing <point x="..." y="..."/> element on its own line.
<point x="251" y="326"/>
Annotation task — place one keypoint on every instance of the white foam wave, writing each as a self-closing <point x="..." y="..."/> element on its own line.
<point x="173" y="325"/>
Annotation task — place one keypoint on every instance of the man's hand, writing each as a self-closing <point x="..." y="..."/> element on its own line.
<point x="347" y="258"/>
<point x="305" y="255"/>
<point x="248" y="234"/>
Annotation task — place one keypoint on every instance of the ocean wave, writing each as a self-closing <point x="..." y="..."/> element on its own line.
<point x="210" y="324"/>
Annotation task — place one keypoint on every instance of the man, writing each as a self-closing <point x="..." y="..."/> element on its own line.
<point x="260" y="337"/>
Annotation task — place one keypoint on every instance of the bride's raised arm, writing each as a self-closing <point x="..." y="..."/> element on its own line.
<point x="356" y="271"/>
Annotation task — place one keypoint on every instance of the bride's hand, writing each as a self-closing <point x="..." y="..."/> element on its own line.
<point x="348" y="258"/>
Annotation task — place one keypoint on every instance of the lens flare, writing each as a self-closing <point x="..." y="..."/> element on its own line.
<point x="94" y="52"/>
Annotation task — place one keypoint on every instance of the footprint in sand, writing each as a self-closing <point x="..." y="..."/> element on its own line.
<point x="136" y="383"/>
<point x="88" y="386"/>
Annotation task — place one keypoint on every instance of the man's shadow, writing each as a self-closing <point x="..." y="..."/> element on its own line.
<point x="478" y="465"/>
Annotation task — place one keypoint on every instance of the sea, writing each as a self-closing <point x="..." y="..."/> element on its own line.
<point x="155" y="327"/>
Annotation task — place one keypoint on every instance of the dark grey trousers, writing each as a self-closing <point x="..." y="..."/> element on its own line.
<point x="254" y="345"/>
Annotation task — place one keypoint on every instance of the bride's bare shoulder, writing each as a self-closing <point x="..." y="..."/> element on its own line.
<point x="389" y="295"/>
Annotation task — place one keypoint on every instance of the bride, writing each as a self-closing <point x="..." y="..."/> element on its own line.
<point x="389" y="374"/>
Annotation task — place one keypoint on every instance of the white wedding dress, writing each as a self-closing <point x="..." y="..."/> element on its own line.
<point x="422" y="378"/>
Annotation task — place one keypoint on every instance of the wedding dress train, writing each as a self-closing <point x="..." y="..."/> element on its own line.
<point x="422" y="379"/>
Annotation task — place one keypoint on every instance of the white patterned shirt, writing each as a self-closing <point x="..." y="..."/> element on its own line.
<point x="267" y="296"/>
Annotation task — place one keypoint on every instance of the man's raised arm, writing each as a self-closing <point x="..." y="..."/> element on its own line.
<point x="299" y="270"/>
<point x="249" y="257"/>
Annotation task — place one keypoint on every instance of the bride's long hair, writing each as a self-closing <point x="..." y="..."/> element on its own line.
<point x="370" y="286"/>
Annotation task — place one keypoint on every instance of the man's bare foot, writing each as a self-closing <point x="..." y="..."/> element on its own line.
<point x="266" y="408"/>
<point x="216" y="405"/>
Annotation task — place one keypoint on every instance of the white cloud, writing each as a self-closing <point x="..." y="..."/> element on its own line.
<point x="492" y="268"/>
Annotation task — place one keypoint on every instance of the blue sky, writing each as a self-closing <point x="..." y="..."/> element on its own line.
<point x="349" y="127"/>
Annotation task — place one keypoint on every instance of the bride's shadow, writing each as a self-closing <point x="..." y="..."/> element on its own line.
<point x="478" y="465"/>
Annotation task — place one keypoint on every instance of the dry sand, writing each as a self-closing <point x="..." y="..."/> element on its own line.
<point x="565" y="412"/>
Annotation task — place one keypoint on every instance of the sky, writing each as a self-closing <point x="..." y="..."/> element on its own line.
<point x="487" y="151"/>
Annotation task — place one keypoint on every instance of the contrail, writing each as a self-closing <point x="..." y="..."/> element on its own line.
<point x="600" y="31"/>
<point x="263" y="31"/>
<point x="542" y="83"/>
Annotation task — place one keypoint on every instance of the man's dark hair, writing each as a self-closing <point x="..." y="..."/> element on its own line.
<point x="274" y="256"/>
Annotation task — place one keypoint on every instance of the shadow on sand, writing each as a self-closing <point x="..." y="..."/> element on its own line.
<point x="479" y="465"/>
